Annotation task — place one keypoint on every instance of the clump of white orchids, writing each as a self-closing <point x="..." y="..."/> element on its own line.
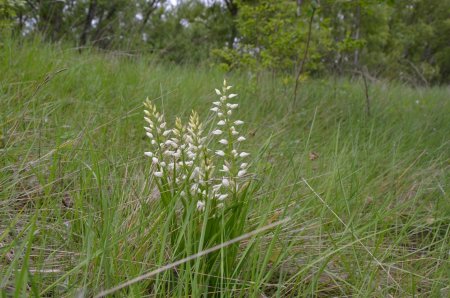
<point x="204" y="167"/>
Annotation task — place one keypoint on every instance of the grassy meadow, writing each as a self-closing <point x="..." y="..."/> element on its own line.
<point x="364" y="198"/>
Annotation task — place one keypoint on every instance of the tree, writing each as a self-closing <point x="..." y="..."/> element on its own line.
<point x="273" y="36"/>
<point x="404" y="40"/>
<point x="8" y="11"/>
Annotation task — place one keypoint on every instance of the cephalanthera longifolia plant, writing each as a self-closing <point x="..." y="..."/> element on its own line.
<point x="201" y="175"/>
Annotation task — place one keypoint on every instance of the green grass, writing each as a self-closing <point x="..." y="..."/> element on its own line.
<point x="369" y="215"/>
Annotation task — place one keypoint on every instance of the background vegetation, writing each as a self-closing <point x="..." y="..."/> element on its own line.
<point x="405" y="40"/>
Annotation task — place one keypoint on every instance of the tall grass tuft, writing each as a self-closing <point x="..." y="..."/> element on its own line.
<point x="202" y="182"/>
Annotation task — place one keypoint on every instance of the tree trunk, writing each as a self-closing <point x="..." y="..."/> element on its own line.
<point x="87" y="22"/>
<point x="50" y="18"/>
<point x="233" y="9"/>
<point x="305" y="55"/>
<point x="104" y="25"/>
<point x="357" y="32"/>
<point x="148" y="13"/>
<point x="299" y="8"/>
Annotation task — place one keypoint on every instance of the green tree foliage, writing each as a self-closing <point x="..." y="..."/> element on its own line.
<point x="189" y="32"/>
<point x="404" y="40"/>
<point x="419" y="43"/>
<point x="272" y="36"/>
<point x="8" y="11"/>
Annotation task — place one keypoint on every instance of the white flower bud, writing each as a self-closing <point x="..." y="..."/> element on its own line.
<point x="232" y="95"/>
<point x="217" y="103"/>
<point x="223" y="142"/>
<point x="158" y="174"/>
<point x="238" y="122"/>
<point x="195" y="173"/>
<point x="149" y="135"/>
<point x="154" y="160"/>
<point x="242" y="173"/>
<point x="217" y="132"/>
<point x="222" y="197"/>
<point x="221" y="122"/>
<point x="220" y="114"/>
<point x="166" y="133"/>
<point x="244" y="154"/>
<point x="201" y="204"/>
<point x="163" y="125"/>
<point x="244" y="165"/>
<point x="171" y="143"/>
<point x="225" y="182"/>
<point x="218" y="92"/>
<point x="240" y="139"/>
<point x="149" y="154"/>
<point x="220" y="153"/>
<point x="215" y="109"/>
